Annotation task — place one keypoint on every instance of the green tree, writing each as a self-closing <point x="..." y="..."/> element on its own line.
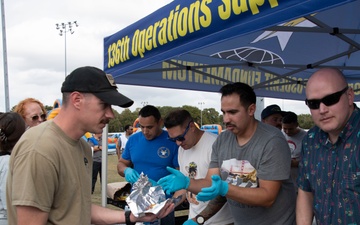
<point x="305" y="121"/>
<point x="48" y="108"/>
<point x="127" y="117"/>
<point x="194" y="112"/>
<point x="221" y="120"/>
<point x="211" y="116"/>
<point x="114" y="123"/>
<point x="164" y="110"/>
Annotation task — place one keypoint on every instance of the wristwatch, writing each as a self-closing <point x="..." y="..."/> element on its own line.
<point x="200" y="219"/>
<point x="127" y="218"/>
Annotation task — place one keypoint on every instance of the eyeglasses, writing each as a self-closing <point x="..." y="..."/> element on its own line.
<point x="328" y="100"/>
<point x="181" y="137"/>
<point x="36" y="117"/>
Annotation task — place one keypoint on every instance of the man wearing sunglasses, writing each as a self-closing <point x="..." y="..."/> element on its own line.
<point x="149" y="152"/>
<point x="194" y="156"/>
<point x="250" y="165"/>
<point x="329" y="171"/>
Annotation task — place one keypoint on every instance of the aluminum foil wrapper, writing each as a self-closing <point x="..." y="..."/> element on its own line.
<point x="146" y="199"/>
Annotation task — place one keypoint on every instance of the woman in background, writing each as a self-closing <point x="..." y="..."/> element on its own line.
<point x="32" y="111"/>
<point x="12" y="126"/>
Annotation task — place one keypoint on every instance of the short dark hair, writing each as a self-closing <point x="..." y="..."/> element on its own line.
<point x="126" y="127"/>
<point x="177" y="117"/>
<point x="289" y="117"/>
<point x="150" y="110"/>
<point x="245" y="92"/>
<point x="12" y="126"/>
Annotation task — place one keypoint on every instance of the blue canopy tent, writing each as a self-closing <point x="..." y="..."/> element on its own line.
<point x="272" y="45"/>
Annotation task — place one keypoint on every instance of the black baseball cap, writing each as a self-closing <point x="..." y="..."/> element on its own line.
<point x="95" y="81"/>
<point x="270" y="110"/>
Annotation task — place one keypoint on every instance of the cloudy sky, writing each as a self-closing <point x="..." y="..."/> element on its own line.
<point x="36" y="52"/>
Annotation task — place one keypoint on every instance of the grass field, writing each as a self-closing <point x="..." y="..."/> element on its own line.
<point x="112" y="176"/>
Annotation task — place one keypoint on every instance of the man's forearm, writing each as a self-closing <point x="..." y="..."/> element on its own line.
<point x="28" y="215"/>
<point x="196" y="185"/>
<point x="304" y="208"/>
<point x="121" y="168"/>
<point x="213" y="207"/>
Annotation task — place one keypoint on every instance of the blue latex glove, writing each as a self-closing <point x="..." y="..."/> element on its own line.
<point x="131" y="175"/>
<point x="218" y="187"/>
<point x="153" y="183"/>
<point x="174" y="182"/>
<point x="190" y="222"/>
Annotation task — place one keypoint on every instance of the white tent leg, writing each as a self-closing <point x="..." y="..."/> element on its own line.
<point x="104" y="165"/>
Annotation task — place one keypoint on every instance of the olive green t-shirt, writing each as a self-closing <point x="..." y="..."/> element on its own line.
<point x="52" y="172"/>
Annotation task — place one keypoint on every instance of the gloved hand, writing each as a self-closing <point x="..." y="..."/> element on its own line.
<point x="190" y="222"/>
<point x="153" y="183"/>
<point x="131" y="175"/>
<point x="174" y="182"/>
<point x="218" y="187"/>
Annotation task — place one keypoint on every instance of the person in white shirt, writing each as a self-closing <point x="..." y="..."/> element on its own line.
<point x="12" y="126"/>
<point x="121" y="143"/>
<point x="194" y="156"/>
<point x="294" y="135"/>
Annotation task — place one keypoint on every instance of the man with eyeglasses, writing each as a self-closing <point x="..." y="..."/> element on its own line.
<point x="329" y="171"/>
<point x="250" y="165"/>
<point x="32" y="111"/>
<point x="195" y="147"/>
<point x="149" y="152"/>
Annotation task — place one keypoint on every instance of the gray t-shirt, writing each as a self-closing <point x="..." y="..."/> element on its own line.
<point x="97" y="155"/>
<point x="265" y="156"/>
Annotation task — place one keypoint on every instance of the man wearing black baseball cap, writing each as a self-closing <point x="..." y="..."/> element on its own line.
<point x="272" y="115"/>
<point x="93" y="80"/>
<point x="51" y="167"/>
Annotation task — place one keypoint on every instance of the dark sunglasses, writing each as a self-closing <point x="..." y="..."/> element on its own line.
<point x="328" y="100"/>
<point x="180" y="137"/>
<point x="36" y="117"/>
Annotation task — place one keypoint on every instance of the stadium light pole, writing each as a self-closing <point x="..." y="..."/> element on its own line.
<point x="6" y="77"/>
<point x="63" y="29"/>
<point x="201" y="107"/>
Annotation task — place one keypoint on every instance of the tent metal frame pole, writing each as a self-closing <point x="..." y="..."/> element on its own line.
<point x="327" y="30"/>
<point x="354" y="47"/>
<point x="337" y="34"/>
<point x="309" y="66"/>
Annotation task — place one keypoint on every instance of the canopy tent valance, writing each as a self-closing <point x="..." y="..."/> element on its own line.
<point x="273" y="45"/>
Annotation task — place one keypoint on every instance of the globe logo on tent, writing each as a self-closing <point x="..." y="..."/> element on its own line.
<point x="250" y="54"/>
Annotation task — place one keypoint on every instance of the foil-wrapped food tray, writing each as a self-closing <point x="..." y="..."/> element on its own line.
<point x="145" y="198"/>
